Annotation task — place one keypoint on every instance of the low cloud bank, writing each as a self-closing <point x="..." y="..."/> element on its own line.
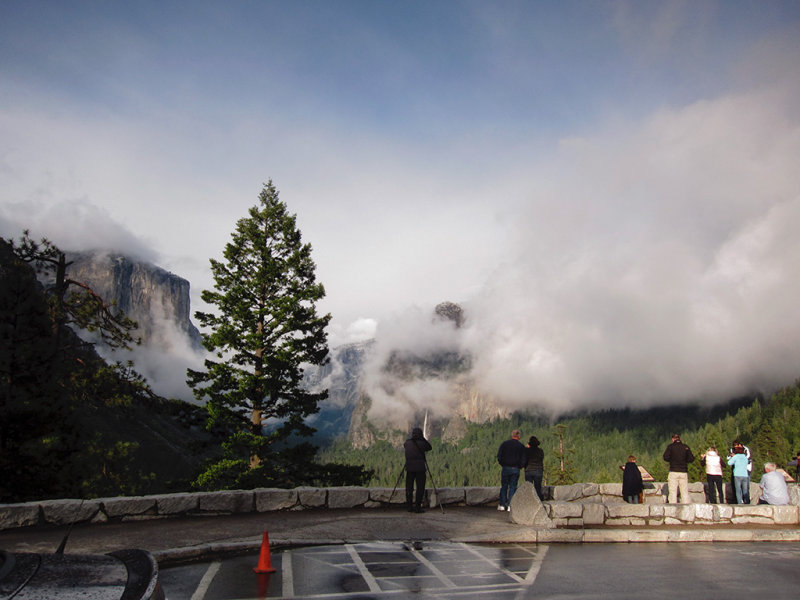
<point x="75" y="224"/>
<point x="653" y="263"/>
<point x="164" y="358"/>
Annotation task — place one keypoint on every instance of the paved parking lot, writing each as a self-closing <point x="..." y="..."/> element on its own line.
<point x="374" y="570"/>
<point x="438" y="570"/>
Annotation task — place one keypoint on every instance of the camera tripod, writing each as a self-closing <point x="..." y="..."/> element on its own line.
<point x="433" y="484"/>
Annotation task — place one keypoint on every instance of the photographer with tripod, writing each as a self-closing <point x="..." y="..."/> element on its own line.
<point x="415" y="448"/>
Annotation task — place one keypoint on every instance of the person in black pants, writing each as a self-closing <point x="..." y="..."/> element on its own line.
<point x="512" y="458"/>
<point x="534" y="470"/>
<point x="415" y="447"/>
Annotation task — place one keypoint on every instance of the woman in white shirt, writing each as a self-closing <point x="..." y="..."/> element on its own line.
<point x="713" y="464"/>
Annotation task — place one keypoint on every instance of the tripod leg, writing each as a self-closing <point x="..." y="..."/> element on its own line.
<point x="435" y="491"/>
<point x="397" y="483"/>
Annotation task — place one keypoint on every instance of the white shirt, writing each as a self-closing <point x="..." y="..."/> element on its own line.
<point x="713" y="463"/>
<point x="749" y="460"/>
<point x="774" y="490"/>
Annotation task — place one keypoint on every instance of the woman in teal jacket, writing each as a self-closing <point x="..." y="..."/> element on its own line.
<point x="738" y="460"/>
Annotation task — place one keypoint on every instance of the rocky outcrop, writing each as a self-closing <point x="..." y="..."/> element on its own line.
<point x="469" y="405"/>
<point x="156" y="299"/>
<point x="527" y="509"/>
<point x="341" y="374"/>
<point x="457" y="401"/>
<point x="363" y="433"/>
<point x="475" y="406"/>
<point x="450" y="311"/>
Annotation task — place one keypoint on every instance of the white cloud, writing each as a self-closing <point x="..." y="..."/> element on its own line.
<point x="73" y="224"/>
<point x="611" y="199"/>
<point x="653" y="264"/>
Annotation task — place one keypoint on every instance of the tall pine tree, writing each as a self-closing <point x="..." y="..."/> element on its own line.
<point x="264" y="331"/>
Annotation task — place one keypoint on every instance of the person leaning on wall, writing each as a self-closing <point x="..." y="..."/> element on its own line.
<point x="632" y="485"/>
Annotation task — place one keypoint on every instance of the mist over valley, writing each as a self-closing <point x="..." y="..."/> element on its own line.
<point x="440" y="364"/>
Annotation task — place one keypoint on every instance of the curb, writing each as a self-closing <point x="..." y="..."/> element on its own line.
<point x="204" y="552"/>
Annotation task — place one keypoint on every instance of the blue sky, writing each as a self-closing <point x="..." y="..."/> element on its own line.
<point x="614" y="179"/>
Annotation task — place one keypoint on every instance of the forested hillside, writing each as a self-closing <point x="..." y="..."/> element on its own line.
<point x="71" y="424"/>
<point x="75" y="426"/>
<point x="596" y="444"/>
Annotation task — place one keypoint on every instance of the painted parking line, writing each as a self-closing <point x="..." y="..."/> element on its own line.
<point x="537" y="553"/>
<point x="205" y="582"/>
<point x="436" y="569"/>
<point x="370" y="570"/>
<point x="445" y="581"/>
<point x="362" y="568"/>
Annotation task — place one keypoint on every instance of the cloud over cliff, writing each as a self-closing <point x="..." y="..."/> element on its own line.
<point x="652" y="262"/>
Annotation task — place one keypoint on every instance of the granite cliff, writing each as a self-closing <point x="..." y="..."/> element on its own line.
<point x="355" y="375"/>
<point x="157" y="299"/>
<point x="341" y="376"/>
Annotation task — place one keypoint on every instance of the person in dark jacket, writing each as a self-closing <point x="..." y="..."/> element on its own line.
<point x="797" y="467"/>
<point x="678" y="455"/>
<point x="415" y="448"/>
<point x="632" y="484"/>
<point x="534" y="470"/>
<point x="511" y="456"/>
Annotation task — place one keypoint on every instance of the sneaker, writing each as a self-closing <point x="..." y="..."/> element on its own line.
<point x="500" y="507"/>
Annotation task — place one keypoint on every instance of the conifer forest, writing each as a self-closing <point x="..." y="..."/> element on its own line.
<point x="596" y="444"/>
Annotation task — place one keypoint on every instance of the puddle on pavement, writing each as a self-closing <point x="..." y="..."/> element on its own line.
<point x="386" y="568"/>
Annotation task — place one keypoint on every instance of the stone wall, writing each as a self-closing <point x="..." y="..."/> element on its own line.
<point x="579" y="505"/>
<point x="593" y="514"/>
<point x="654" y="492"/>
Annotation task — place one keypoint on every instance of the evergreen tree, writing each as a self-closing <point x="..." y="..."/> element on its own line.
<point x="265" y="330"/>
<point x="565" y="473"/>
<point x="769" y="446"/>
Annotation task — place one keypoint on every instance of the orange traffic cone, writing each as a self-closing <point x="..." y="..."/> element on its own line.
<point x="264" y="560"/>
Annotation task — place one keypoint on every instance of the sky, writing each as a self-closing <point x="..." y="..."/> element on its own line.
<point x="610" y="189"/>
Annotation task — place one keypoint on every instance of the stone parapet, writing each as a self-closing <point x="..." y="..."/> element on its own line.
<point x="347" y="497"/>
<point x="576" y="506"/>
<point x="567" y="514"/>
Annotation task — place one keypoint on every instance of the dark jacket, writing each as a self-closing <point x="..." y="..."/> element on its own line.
<point x="512" y="454"/>
<point x="631" y="480"/>
<point x="678" y="455"/>
<point x="535" y="458"/>
<point x="416" y="447"/>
